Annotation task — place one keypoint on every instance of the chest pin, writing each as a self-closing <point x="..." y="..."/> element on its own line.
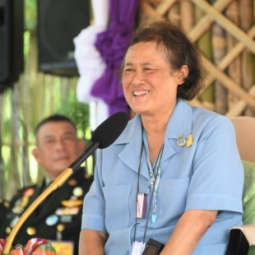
<point x="190" y="140"/>
<point x="181" y="141"/>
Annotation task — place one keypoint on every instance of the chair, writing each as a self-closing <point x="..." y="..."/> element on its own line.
<point x="245" y="135"/>
<point x="242" y="238"/>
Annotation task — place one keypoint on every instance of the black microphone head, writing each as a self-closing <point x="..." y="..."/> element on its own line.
<point x="107" y="132"/>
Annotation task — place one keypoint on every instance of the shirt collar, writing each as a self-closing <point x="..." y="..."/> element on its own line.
<point x="180" y="122"/>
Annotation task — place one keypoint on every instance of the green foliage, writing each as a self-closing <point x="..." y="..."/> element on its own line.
<point x="78" y="112"/>
<point x="30" y="14"/>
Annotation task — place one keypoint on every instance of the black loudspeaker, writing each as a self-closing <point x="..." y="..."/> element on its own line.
<point x="11" y="42"/>
<point x="59" y="21"/>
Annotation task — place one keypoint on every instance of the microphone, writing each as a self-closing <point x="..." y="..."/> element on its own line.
<point x="104" y="135"/>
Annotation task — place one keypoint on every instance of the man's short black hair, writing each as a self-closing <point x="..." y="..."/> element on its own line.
<point x="54" y="118"/>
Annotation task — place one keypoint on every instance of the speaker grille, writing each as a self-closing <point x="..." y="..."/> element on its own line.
<point x="11" y="41"/>
<point x="59" y="21"/>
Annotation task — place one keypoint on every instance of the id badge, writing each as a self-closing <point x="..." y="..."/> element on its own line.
<point x="138" y="248"/>
<point x="141" y="205"/>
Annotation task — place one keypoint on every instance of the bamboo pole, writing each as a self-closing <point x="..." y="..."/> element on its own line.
<point x="234" y="64"/>
<point x="238" y="108"/>
<point x="187" y="15"/>
<point x="248" y="67"/>
<point x="174" y="14"/>
<point x="23" y="92"/>
<point x="205" y="22"/>
<point x="219" y="50"/>
<point x="196" y="102"/>
<point x="14" y="173"/>
<point x="204" y="45"/>
<point x="228" y="83"/>
<point x="225" y="23"/>
<point x="165" y="6"/>
<point x="149" y="11"/>
<point x="229" y="58"/>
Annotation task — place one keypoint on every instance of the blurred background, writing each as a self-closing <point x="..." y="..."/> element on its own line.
<point x="40" y="75"/>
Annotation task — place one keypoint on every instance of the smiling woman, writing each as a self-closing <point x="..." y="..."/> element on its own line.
<point x="150" y="84"/>
<point x="166" y="165"/>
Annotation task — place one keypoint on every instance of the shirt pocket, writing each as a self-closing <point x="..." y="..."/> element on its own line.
<point x="117" y="212"/>
<point x="172" y="199"/>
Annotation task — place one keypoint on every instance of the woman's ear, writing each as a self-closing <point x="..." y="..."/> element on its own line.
<point x="182" y="74"/>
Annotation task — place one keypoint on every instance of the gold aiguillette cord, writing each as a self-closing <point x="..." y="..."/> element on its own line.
<point x="53" y="186"/>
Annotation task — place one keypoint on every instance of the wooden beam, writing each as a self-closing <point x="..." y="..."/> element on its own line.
<point x="205" y="22"/>
<point x="165" y="6"/>
<point x="240" y="105"/>
<point x="228" y="83"/>
<point x="228" y="59"/>
<point x="149" y="10"/>
<point x="226" y="23"/>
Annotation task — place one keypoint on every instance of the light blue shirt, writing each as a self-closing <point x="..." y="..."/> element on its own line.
<point x="208" y="175"/>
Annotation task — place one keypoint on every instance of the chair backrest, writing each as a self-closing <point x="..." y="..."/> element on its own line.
<point x="241" y="240"/>
<point x="245" y="135"/>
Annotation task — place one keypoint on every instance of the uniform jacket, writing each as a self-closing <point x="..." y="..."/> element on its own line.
<point x="4" y="205"/>
<point x="57" y="218"/>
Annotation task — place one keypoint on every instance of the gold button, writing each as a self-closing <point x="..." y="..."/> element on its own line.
<point x="78" y="191"/>
<point x="8" y="230"/>
<point x="60" y="227"/>
<point x="72" y="182"/>
<point x="31" y="231"/>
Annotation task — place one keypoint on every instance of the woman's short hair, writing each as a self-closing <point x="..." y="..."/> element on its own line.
<point x="179" y="51"/>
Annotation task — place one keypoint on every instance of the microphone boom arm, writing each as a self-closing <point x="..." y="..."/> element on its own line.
<point x="76" y="164"/>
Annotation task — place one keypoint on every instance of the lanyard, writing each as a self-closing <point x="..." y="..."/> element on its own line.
<point x="154" y="174"/>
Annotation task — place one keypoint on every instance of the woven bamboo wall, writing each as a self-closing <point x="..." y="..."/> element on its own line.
<point x="223" y="30"/>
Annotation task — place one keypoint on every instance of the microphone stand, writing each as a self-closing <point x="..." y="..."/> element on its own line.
<point x="53" y="186"/>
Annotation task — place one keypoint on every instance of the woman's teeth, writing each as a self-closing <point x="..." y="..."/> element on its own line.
<point x="140" y="93"/>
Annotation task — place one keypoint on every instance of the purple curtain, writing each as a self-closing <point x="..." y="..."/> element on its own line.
<point x="112" y="45"/>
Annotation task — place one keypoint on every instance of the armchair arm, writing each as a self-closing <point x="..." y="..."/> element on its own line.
<point x="240" y="239"/>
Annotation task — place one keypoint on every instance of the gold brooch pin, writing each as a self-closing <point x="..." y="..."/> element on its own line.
<point x="189" y="141"/>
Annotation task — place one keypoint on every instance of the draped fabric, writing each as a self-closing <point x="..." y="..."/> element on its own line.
<point x="90" y="64"/>
<point x="112" y="45"/>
